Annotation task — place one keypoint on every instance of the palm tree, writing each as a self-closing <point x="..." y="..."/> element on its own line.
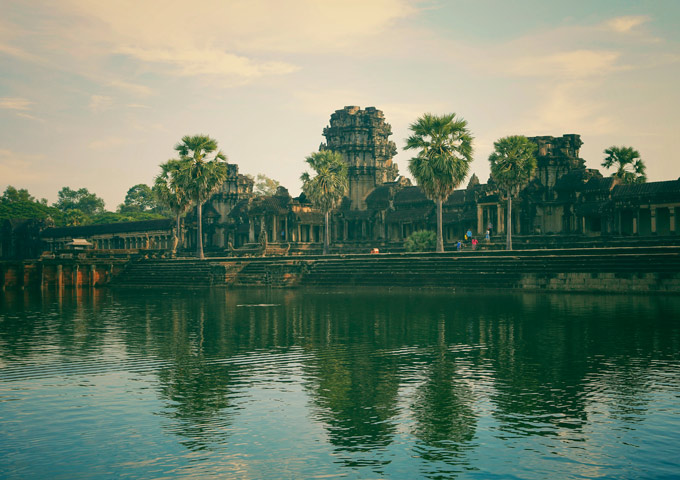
<point x="629" y="166"/>
<point x="169" y="192"/>
<point x="204" y="170"/>
<point x="512" y="163"/>
<point x="327" y="188"/>
<point x="443" y="161"/>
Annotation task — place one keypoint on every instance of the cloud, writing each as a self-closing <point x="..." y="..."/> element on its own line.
<point x="107" y="143"/>
<point x="21" y="104"/>
<point x="30" y="117"/>
<point x="18" y="168"/>
<point x="569" y="107"/>
<point x="625" y="24"/>
<point x="237" y="41"/>
<point x="570" y="64"/>
<point x="139" y="90"/>
<point x="213" y="62"/>
<point x="99" y="103"/>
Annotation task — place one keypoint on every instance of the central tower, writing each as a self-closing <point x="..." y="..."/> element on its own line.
<point x="361" y="136"/>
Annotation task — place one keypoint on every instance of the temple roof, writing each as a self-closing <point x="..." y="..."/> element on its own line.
<point x="410" y="214"/>
<point x="458" y="197"/>
<point x="411" y="195"/>
<point x="669" y="188"/>
<point x="379" y="198"/>
<point x="599" y="184"/>
<point x="309" y="218"/>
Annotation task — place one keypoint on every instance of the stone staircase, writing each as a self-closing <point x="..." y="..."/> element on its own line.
<point x="614" y="269"/>
<point x="174" y="273"/>
<point x="577" y="269"/>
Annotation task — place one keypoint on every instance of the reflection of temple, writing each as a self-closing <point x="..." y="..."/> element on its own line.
<point x="563" y="198"/>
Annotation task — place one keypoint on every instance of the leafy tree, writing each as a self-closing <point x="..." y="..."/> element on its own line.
<point x="117" y="217"/>
<point x="327" y="187"/>
<point x="74" y="217"/>
<point x="202" y="173"/>
<point x="512" y="163"/>
<point x="443" y="162"/>
<point x="421" y="241"/>
<point x="81" y="199"/>
<point x="630" y="168"/>
<point x="265" y="186"/>
<point x="28" y="210"/>
<point x="12" y="195"/>
<point x="139" y="198"/>
<point x="169" y="192"/>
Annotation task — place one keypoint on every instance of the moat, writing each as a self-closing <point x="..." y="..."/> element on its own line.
<point x="346" y="382"/>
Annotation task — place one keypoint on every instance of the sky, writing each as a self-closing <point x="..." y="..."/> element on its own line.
<point x="96" y="94"/>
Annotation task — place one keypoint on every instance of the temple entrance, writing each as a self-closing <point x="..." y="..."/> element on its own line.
<point x="645" y="222"/>
<point x="663" y="221"/>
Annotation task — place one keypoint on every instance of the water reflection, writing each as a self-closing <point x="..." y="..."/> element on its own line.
<point x="417" y="382"/>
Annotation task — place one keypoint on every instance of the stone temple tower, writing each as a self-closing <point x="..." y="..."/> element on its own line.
<point x="361" y="136"/>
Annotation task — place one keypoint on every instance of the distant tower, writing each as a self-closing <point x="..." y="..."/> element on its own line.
<point x="557" y="156"/>
<point x="361" y="136"/>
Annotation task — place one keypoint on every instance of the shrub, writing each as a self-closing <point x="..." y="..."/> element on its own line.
<point x="421" y="241"/>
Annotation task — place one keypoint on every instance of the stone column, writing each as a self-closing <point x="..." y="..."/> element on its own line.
<point x="635" y="225"/>
<point x="652" y="213"/>
<point x="285" y="229"/>
<point x="251" y="230"/>
<point x="275" y="230"/>
<point x="671" y="212"/>
<point x="583" y="224"/>
<point x="480" y="220"/>
<point x="499" y="219"/>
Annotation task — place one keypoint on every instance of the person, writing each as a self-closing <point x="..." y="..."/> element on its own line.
<point x="474" y="243"/>
<point x="487" y="237"/>
<point x="489" y="227"/>
<point x="459" y="245"/>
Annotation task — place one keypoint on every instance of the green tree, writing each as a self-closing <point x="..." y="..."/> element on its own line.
<point x="421" y="241"/>
<point x="12" y="195"/>
<point x="443" y="162"/>
<point x="327" y="187"/>
<point x="630" y="168"/>
<point x="265" y="186"/>
<point x="139" y="198"/>
<point x="512" y="163"/>
<point x="170" y="192"/>
<point x="203" y="171"/>
<point x="81" y="199"/>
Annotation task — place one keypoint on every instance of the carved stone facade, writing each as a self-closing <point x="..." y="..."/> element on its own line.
<point x="362" y="137"/>
<point x="563" y="199"/>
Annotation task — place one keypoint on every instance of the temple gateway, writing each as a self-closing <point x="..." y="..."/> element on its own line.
<point x="564" y="202"/>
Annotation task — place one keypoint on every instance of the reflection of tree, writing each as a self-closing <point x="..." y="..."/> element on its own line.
<point x="199" y="399"/>
<point x="356" y="392"/>
<point x="445" y="421"/>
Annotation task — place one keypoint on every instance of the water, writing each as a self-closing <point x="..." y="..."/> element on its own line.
<point x="344" y="384"/>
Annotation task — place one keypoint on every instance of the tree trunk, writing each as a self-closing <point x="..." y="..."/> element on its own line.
<point x="440" y="236"/>
<point x="326" y="238"/>
<point x="508" y="242"/>
<point x="199" y="232"/>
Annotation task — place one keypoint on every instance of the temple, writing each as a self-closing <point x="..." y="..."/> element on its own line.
<point x="563" y="202"/>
